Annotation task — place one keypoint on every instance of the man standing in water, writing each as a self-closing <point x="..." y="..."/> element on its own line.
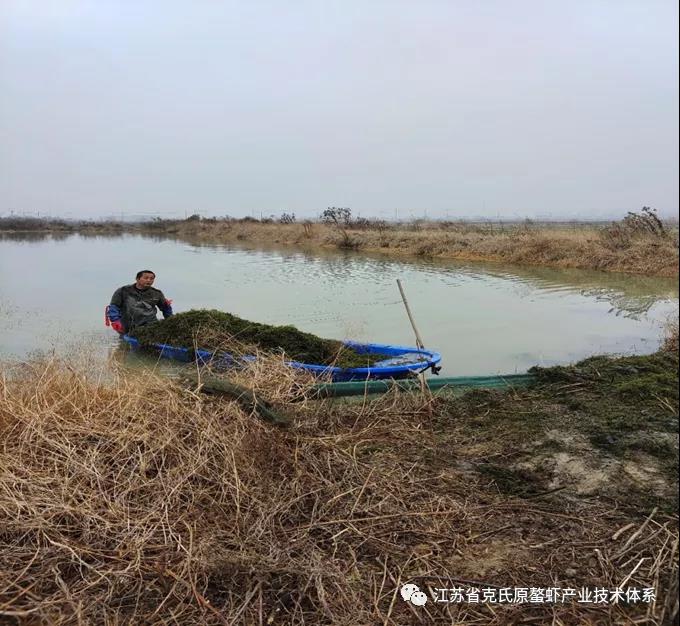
<point x="135" y="305"/>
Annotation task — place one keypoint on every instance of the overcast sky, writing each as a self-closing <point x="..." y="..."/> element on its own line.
<point x="391" y="108"/>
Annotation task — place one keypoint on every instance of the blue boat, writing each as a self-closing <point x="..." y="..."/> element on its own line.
<point x="403" y="361"/>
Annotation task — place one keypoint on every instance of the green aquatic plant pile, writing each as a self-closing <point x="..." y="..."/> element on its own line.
<point x="216" y="330"/>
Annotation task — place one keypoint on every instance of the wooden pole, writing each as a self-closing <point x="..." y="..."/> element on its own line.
<point x="419" y="341"/>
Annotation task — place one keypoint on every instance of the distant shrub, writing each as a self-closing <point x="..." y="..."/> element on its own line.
<point x="348" y="242"/>
<point x="287" y="218"/>
<point x="645" y="223"/>
<point x="363" y="223"/>
<point x="338" y="216"/>
<point x="158" y="223"/>
<point x="527" y="226"/>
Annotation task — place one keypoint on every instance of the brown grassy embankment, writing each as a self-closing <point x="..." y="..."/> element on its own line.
<point x="38" y="225"/>
<point x="639" y="245"/>
<point x="615" y="248"/>
<point x="138" y="500"/>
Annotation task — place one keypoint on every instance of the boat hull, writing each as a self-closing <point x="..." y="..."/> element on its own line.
<point x="404" y="361"/>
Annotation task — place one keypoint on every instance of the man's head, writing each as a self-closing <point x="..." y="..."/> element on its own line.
<point x="144" y="279"/>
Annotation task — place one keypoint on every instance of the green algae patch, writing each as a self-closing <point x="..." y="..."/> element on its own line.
<point x="216" y="330"/>
<point x="618" y="399"/>
<point x="604" y="427"/>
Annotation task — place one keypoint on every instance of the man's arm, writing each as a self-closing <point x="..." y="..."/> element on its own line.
<point x="116" y="305"/>
<point x="165" y="306"/>
<point x="114" y="311"/>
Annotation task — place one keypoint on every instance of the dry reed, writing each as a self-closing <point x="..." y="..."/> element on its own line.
<point x="140" y="501"/>
<point x="582" y="248"/>
<point x="621" y="247"/>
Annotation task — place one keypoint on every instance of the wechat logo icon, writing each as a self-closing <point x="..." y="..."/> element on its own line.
<point x="412" y="593"/>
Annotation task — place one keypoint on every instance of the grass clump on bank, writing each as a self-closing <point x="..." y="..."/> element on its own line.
<point x="214" y="330"/>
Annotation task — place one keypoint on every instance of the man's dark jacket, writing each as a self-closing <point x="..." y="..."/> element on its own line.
<point x="137" y="307"/>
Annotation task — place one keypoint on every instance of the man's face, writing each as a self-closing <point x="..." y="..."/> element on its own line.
<point x="145" y="280"/>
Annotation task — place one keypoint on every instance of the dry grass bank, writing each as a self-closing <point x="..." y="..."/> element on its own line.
<point x="37" y="225"/>
<point x="581" y="248"/>
<point x="141" y="501"/>
<point x="639" y="244"/>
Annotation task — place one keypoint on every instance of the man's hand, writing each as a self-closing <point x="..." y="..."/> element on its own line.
<point x="118" y="327"/>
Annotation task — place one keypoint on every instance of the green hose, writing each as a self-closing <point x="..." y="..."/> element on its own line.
<point x="360" y="388"/>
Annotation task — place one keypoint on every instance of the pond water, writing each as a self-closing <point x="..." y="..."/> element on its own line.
<point x="484" y="318"/>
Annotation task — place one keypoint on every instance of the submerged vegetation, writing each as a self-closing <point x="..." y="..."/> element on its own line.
<point x="131" y="498"/>
<point x="216" y="330"/>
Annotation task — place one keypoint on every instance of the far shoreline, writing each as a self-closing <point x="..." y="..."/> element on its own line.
<point x="643" y="245"/>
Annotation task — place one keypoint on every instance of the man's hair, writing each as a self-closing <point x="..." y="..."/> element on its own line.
<point x="139" y="274"/>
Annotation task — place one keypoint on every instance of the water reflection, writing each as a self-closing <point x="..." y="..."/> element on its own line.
<point x="31" y="236"/>
<point x="629" y="295"/>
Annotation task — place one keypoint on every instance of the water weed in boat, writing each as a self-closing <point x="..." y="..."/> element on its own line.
<point x="214" y="330"/>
